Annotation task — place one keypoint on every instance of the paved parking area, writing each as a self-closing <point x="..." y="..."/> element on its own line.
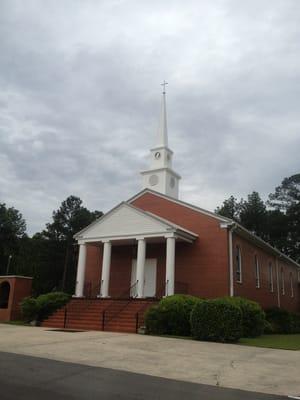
<point x="224" y="365"/>
<point x="33" y="378"/>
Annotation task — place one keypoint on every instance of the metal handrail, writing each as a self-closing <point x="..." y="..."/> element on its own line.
<point x="162" y="290"/>
<point x="69" y="306"/>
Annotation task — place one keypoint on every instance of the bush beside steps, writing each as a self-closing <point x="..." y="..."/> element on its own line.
<point x="171" y="316"/>
<point x="41" y="307"/>
<point x="224" y="319"/>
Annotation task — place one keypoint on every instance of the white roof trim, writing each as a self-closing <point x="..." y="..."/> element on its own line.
<point x="166" y="225"/>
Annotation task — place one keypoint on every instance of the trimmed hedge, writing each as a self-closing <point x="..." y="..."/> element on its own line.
<point x="171" y="316"/>
<point x="283" y="321"/>
<point x="216" y="320"/>
<point x="44" y="305"/>
<point x="253" y="316"/>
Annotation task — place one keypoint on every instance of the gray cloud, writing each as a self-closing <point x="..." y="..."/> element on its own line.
<point x="79" y="98"/>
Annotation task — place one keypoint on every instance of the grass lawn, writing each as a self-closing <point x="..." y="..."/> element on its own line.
<point x="286" y="342"/>
<point x="16" y="323"/>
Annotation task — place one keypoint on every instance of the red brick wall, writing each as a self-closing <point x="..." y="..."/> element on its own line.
<point x="203" y="265"/>
<point x="20" y="287"/>
<point x="263" y="294"/>
<point x="121" y="262"/>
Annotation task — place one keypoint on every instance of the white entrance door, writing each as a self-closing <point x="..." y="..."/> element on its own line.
<point x="150" y="277"/>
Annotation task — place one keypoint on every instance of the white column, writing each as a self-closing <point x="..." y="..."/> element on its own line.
<point x="170" y="266"/>
<point x="105" y="269"/>
<point x="80" y="271"/>
<point x="140" y="267"/>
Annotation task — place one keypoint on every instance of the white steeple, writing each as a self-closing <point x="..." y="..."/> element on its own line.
<point x="160" y="176"/>
<point x="162" y="132"/>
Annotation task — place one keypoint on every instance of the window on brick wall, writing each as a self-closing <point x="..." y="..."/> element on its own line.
<point x="238" y="271"/>
<point x="291" y="284"/>
<point x="282" y="281"/>
<point x="271" y="281"/>
<point x="257" y="272"/>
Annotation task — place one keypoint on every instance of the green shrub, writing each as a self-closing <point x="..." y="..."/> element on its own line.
<point x="155" y="320"/>
<point x="216" y="320"/>
<point x="268" y="328"/>
<point x="50" y="302"/>
<point x="295" y="323"/>
<point x="280" y="320"/>
<point x="171" y="316"/>
<point x="29" y="308"/>
<point x="253" y="316"/>
<point x="41" y="307"/>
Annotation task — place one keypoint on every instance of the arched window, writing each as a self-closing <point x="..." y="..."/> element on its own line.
<point x="292" y="285"/>
<point x="271" y="282"/>
<point x="238" y="271"/>
<point x="257" y="272"/>
<point x="4" y="294"/>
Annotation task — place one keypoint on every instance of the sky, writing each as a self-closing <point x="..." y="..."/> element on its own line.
<point x="80" y="97"/>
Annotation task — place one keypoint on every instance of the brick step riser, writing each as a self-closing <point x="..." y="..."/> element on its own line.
<point x="121" y="316"/>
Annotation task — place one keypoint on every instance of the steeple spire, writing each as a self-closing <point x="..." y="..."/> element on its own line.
<point x="162" y="133"/>
<point x="160" y="176"/>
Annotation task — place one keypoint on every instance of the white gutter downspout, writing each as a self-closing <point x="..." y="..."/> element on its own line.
<point x="230" y="252"/>
<point x="230" y="227"/>
<point x="277" y="278"/>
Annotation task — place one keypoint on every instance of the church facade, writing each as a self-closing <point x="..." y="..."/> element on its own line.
<point x="155" y="245"/>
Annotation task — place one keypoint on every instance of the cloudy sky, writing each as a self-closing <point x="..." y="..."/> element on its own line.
<point x="80" y="97"/>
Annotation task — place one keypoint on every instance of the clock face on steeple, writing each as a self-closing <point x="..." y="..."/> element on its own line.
<point x="157" y="155"/>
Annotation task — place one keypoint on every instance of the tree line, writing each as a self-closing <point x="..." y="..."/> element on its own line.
<point x="276" y="220"/>
<point x="50" y="256"/>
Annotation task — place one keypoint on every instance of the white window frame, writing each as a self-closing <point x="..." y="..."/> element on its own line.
<point x="257" y="272"/>
<point x="282" y="282"/>
<point x="238" y="266"/>
<point x="271" y="280"/>
<point x="291" y="284"/>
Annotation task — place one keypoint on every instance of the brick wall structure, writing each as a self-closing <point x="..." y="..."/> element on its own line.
<point x="202" y="268"/>
<point x="18" y="288"/>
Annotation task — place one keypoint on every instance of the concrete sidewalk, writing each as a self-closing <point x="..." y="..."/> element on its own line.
<point x="225" y="365"/>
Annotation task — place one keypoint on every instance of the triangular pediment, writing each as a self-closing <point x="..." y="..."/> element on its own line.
<point x="123" y="221"/>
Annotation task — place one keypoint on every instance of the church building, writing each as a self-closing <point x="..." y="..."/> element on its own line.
<point x="154" y="245"/>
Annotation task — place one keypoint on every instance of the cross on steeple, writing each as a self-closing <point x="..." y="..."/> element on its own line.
<point x="164" y="85"/>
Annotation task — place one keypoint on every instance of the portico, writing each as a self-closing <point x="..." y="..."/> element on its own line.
<point x="127" y="225"/>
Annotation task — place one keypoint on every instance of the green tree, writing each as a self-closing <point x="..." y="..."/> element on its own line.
<point x="230" y="208"/>
<point x="253" y="214"/>
<point x="287" y="194"/>
<point x="286" y="199"/>
<point x="12" y="228"/>
<point x="69" y="219"/>
<point x="277" y="230"/>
